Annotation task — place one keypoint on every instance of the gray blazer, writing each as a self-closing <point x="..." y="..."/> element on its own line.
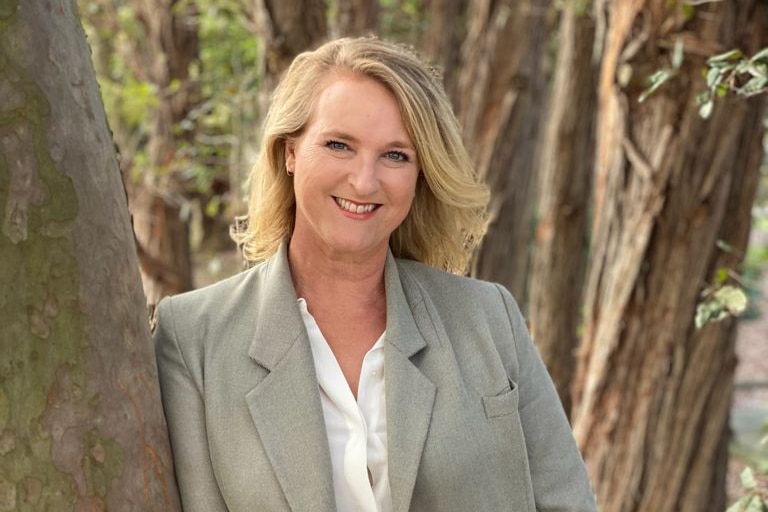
<point x="473" y="420"/>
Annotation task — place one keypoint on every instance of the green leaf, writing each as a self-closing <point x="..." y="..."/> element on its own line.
<point x="707" y="312"/>
<point x="755" y="504"/>
<point x="761" y="55"/>
<point x="721" y="275"/>
<point x="728" y="56"/>
<point x="706" y="109"/>
<point x="732" y="298"/>
<point x="656" y="80"/>
<point x="748" y="478"/>
<point x="703" y="98"/>
<point x="753" y="86"/>
<point x="739" y="506"/>
<point x="725" y="247"/>
<point x="678" y="53"/>
<point x="713" y="77"/>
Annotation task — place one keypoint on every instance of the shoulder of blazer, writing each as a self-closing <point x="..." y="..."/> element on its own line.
<point x="219" y="294"/>
<point x="443" y="288"/>
<point x="200" y="316"/>
<point x="463" y="305"/>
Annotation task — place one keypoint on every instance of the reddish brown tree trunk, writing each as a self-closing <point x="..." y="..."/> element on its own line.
<point x="81" y="426"/>
<point x="560" y="253"/>
<point x="501" y="96"/>
<point x="651" y="394"/>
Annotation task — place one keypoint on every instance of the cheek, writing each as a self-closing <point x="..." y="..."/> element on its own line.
<point x="411" y="187"/>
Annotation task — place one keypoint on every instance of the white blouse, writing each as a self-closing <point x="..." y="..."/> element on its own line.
<point x="357" y="429"/>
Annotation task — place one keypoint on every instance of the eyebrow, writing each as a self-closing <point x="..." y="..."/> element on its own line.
<point x="397" y="144"/>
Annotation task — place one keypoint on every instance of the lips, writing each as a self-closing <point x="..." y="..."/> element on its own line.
<point x="351" y="207"/>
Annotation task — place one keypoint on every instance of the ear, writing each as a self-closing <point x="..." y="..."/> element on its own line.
<point x="290" y="153"/>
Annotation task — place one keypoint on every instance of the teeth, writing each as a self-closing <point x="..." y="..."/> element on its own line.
<point x="354" y="208"/>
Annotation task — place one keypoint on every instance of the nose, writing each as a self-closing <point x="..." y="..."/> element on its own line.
<point x="363" y="177"/>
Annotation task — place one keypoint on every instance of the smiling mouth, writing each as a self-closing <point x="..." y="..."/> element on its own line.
<point x="351" y="207"/>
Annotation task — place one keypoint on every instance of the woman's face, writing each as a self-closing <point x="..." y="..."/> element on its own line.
<point x="355" y="170"/>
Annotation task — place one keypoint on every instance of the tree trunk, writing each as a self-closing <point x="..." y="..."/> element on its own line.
<point x="441" y="41"/>
<point x="157" y="199"/>
<point x="81" y="426"/>
<point x="501" y="97"/>
<point x="712" y="349"/>
<point x="287" y="28"/>
<point x="651" y="393"/>
<point x="354" y="17"/>
<point x="560" y="254"/>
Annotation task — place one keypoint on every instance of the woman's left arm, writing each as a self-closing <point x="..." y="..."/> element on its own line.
<point x="560" y="481"/>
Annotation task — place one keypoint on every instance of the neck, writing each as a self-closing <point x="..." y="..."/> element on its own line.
<point x="317" y="274"/>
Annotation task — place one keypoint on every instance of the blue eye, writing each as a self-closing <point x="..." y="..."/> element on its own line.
<point x="336" y="145"/>
<point x="397" y="156"/>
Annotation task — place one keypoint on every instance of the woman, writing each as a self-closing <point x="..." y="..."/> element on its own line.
<point x="348" y="370"/>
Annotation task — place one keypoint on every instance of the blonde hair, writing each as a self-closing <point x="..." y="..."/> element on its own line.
<point x="448" y="216"/>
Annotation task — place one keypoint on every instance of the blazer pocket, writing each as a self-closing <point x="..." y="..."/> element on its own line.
<point x="502" y="404"/>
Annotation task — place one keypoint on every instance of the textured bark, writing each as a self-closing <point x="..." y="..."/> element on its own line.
<point x="169" y="50"/>
<point x="446" y="26"/>
<point x="81" y="427"/>
<point x="287" y="28"/>
<point x="559" y="259"/>
<point x="651" y="393"/>
<point x="354" y="17"/>
<point x="501" y="97"/>
<point x="713" y="348"/>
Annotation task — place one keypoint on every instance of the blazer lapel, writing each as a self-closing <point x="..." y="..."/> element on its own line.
<point x="410" y="394"/>
<point x="285" y="405"/>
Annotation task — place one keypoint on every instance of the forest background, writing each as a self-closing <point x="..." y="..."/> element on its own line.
<point x="622" y="139"/>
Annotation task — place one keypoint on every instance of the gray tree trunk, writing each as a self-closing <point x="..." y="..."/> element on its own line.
<point x="81" y="425"/>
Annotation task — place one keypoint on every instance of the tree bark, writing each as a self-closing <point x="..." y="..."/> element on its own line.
<point x="651" y="392"/>
<point x="287" y="28"/>
<point x="501" y="97"/>
<point x="560" y="254"/>
<point x="157" y="197"/>
<point x="81" y="426"/>
<point x="354" y="17"/>
<point x="446" y="28"/>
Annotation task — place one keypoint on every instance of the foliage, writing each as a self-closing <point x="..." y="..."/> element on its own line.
<point x="224" y="122"/>
<point x="736" y="73"/>
<point x="720" y="302"/>
<point x="756" y="497"/>
<point x="661" y="76"/>
<point x="729" y="72"/>
<point x="402" y="20"/>
<point x="215" y="136"/>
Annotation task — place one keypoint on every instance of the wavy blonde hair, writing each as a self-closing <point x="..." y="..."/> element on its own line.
<point x="448" y="216"/>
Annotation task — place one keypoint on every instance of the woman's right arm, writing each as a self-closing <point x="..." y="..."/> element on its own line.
<point x="185" y="414"/>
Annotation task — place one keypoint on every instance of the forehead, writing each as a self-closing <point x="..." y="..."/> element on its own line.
<point x="343" y="96"/>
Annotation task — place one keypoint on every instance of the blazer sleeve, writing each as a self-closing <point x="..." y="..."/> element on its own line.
<point x="185" y="414"/>
<point x="559" y="478"/>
